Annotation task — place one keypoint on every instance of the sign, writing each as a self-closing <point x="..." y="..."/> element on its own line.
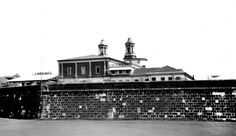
<point x="42" y="73"/>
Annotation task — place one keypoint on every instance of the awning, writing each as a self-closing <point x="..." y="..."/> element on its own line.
<point x="121" y="68"/>
<point x="33" y="78"/>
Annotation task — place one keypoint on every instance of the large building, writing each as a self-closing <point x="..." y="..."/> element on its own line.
<point x="102" y="68"/>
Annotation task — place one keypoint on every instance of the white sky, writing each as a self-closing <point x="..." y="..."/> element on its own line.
<point x="198" y="36"/>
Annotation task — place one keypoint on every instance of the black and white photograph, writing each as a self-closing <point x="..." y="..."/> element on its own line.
<point x="117" y="68"/>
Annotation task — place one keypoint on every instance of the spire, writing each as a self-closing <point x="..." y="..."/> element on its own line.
<point x="102" y="48"/>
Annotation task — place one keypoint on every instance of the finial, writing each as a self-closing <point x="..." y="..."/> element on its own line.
<point x="102" y="42"/>
<point x="129" y="40"/>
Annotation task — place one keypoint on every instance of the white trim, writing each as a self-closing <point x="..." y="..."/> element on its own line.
<point x="121" y="68"/>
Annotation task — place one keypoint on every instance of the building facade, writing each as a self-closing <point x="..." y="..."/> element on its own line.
<point x="101" y="68"/>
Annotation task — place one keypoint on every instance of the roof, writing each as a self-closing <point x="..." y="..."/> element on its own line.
<point x="88" y="57"/>
<point x="33" y="78"/>
<point x="146" y="71"/>
<point x="91" y="57"/>
<point x="143" y="71"/>
<point x="167" y="69"/>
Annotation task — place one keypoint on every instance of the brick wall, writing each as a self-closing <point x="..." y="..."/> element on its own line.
<point x="143" y="101"/>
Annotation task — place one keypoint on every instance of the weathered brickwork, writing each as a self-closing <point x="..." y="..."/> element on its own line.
<point x="146" y="103"/>
<point x="195" y="100"/>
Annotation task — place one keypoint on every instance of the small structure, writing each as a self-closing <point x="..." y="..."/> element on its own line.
<point x="3" y="81"/>
<point x="101" y="68"/>
<point x="35" y="79"/>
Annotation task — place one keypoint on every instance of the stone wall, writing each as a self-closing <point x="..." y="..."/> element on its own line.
<point x="20" y="102"/>
<point x="183" y="100"/>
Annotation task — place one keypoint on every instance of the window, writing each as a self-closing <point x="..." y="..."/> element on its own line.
<point x="69" y="70"/>
<point x="83" y="70"/>
<point x="170" y="78"/>
<point x="177" y="78"/>
<point x="97" y="68"/>
<point x="162" y="78"/>
<point x="153" y="78"/>
<point x="146" y="79"/>
<point x="113" y="72"/>
<point x="127" y="71"/>
<point x="136" y="80"/>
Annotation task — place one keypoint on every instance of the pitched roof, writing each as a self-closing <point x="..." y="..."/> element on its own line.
<point x="145" y="71"/>
<point x="167" y="69"/>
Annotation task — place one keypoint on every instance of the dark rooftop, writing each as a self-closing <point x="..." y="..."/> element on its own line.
<point x="145" y="71"/>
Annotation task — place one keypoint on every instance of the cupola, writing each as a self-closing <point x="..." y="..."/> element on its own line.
<point x="102" y="48"/>
<point x="129" y="45"/>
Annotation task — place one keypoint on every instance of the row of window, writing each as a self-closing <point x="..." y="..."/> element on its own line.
<point x="164" y="78"/>
<point x="83" y="70"/>
<point x="152" y="79"/>
<point x="120" y="72"/>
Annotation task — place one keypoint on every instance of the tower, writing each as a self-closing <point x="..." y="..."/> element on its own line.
<point x="102" y="48"/>
<point x="129" y="54"/>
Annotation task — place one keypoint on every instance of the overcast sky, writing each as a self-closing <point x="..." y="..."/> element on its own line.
<point x="198" y="36"/>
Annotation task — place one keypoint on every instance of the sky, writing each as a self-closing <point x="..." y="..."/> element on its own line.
<point x="198" y="36"/>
